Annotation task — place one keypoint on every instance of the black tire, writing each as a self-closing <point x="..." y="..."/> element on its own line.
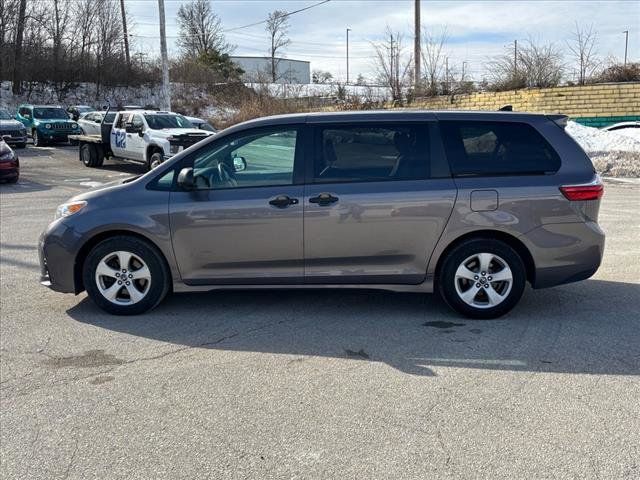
<point x="99" y="156"/>
<point x="155" y="159"/>
<point x="89" y="155"/>
<point x="73" y="143"/>
<point x="37" y="141"/>
<point x="14" y="179"/>
<point x="160" y="275"/>
<point x="448" y="285"/>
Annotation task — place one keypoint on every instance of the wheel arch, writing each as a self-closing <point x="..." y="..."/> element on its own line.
<point x="151" y="149"/>
<point x="102" y="236"/>
<point x="520" y="248"/>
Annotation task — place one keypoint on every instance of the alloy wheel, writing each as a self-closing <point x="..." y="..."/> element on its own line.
<point x="483" y="280"/>
<point x="123" y="278"/>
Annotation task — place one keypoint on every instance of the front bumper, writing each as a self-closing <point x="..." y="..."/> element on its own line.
<point x="57" y="253"/>
<point x="51" y="135"/>
<point x="14" y="139"/>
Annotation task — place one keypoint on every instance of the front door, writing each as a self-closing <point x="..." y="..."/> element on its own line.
<point x="242" y="224"/>
<point x="135" y="141"/>
<point x="376" y="202"/>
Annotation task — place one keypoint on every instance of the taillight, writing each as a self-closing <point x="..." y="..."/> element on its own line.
<point x="576" y="193"/>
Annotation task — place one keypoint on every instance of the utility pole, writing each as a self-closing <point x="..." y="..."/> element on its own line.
<point x="126" y="37"/>
<point x="626" y="45"/>
<point x="416" y="45"/>
<point x="515" y="58"/>
<point x="463" y="65"/>
<point x="348" y="30"/>
<point x="446" y="73"/>
<point x="392" y="71"/>
<point x="166" y="92"/>
<point x="16" y="77"/>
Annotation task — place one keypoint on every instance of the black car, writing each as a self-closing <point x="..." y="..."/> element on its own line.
<point x="9" y="163"/>
<point x="13" y="131"/>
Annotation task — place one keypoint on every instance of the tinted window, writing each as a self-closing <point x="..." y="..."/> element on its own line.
<point x="372" y="153"/>
<point x="497" y="148"/>
<point x="109" y="117"/>
<point x="255" y="159"/>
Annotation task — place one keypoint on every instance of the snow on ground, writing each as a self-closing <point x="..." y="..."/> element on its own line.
<point x="614" y="154"/>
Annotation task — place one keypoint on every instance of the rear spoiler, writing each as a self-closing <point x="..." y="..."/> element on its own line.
<point x="560" y="120"/>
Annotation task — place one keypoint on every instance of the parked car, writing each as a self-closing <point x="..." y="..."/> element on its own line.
<point x="629" y="129"/>
<point x="471" y="204"/>
<point x="622" y="126"/>
<point x="47" y="123"/>
<point x="13" y="132"/>
<point x="146" y="136"/>
<point x="9" y="163"/>
<point x="91" y="122"/>
<point x="201" y="124"/>
<point x="75" y="111"/>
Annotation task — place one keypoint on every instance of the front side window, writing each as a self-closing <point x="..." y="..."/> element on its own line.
<point x="372" y="153"/>
<point x="258" y="159"/>
<point x="137" y="121"/>
<point x="497" y="148"/>
<point x="122" y="120"/>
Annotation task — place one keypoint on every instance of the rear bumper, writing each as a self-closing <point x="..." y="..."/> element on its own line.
<point x="565" y="252"/>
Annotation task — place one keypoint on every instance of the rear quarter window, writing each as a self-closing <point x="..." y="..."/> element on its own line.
<point x="479" y="148"/>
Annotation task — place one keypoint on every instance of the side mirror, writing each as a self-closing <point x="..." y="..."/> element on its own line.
<point x="239" y="164"/>
<point x="185" y="179"/>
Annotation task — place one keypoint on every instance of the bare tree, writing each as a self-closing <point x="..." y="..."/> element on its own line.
<point x="433" y="58"/>
<point x="582" y="48"/>
<point x="536" y="65"/>
<point x="200" y="30"/>
<point x="278" y="29"/>
<point x="320" y="76"/>
<point x="16" y="84"/>
<point x="393" y="66"/>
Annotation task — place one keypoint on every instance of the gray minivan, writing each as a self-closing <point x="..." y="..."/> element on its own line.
<point x="471" y="204"/>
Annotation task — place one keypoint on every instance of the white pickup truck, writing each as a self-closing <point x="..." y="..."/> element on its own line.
<point x="145" y="136"/>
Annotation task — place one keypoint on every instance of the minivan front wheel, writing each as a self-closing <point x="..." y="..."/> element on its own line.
<point x="125" y="276"/>
<point x="482" y="278"/>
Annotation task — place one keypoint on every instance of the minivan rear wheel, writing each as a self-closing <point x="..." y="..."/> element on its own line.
<point x="125" y="276"/>
<point x="482" y="278"/>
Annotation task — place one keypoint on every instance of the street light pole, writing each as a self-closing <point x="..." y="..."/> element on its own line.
<point x="348" y="30"/>
<point x="626" y="45"/>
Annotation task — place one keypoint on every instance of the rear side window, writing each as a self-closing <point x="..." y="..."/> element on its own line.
<point x="497" y="148"/>
<point x="371" y="153"/>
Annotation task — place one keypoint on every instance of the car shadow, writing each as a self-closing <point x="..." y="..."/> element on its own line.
<point x="591" y="327"/>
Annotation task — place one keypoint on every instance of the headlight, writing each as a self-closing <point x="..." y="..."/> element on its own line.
<point x="68" y="209"/>
<point x="74" y="125"/>
<point x="47" y="125"/>
<point x="6" y="156"/>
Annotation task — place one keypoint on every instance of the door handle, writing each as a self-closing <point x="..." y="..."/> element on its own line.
<point x="324" y="199"/>
<point x="283" y="201"/>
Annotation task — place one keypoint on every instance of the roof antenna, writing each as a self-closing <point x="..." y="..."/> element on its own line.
<point x="506" y="108"/>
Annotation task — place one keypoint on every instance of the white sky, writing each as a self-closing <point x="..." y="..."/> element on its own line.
<point x="476" y="29"/>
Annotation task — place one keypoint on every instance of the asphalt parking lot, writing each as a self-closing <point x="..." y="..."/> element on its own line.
<point x="313" y="384"/>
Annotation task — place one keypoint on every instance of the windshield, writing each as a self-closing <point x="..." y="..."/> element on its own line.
<point x="50" y="112"/>
<point x="158" y="122"/>
<point x="4" y="115"/>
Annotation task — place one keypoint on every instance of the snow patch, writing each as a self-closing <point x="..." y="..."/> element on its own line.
<point x="595" y="140"/>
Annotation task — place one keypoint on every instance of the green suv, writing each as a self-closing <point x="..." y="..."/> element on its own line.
<point x="47" y="123"/>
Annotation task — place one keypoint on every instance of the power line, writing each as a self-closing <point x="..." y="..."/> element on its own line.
<point x="288" y="14"/>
